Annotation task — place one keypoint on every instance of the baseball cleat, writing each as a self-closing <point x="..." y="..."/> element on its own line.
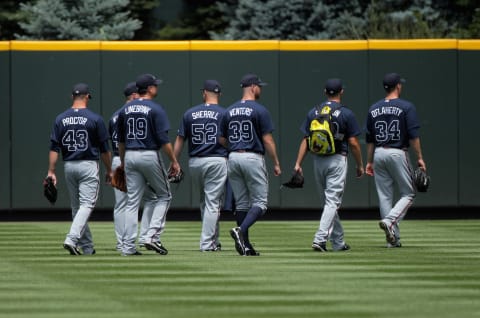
<point x="157" y="247"/>
<point x="237" y="236"/>
<point x="132" y="254"/>
<point x="396" y="244"/>
<point x="319" y="247"/>
<point x="345" y="247"/>
<point x="72" y="249"/>
<point x="250" y="251"/>
<point x="389" y="233"/>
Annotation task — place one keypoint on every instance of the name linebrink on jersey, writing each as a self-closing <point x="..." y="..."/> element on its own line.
<point x="390" y="110"/>
<point x="74" y="121"/>
<point x="137" y="109"/>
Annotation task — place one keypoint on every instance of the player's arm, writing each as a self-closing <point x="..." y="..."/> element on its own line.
<point x="106" y="158"/>
<point x="271" y="149"/>
<point x="415" y="144"/>
<point x="357" y="154"/>
<point x="121" y="153"/>
<point x="52" y="163"/>
<point x="174" y="165"/>
<point x="370" y="151"/>
<point x="177" y="149"/>
<point x="302" y="152"/>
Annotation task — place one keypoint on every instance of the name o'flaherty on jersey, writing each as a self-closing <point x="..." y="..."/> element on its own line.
<point x="386" y="110"/>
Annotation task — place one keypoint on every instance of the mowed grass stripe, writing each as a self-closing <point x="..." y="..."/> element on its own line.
<point x="435" y="273"/>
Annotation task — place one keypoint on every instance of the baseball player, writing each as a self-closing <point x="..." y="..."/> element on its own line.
<point x="208" y="160"/>
<point x="82" y="138"/>
<point x="248" y="131"/>
<point x="392" y="127"/>
<point x="131" y="92"/>
<point x="330" y="171"/>
<point x="142" y="131"/>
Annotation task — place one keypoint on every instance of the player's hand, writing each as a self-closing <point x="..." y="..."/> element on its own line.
<point x="298" y="169"/>
<point x="174" y="168"/>
<point x="108" y="177"/>
<point x="369" y="169"/>
<point x="360" y="171"/>
<point x="277" y="170"/>
<point x="53" y="176"/>
<point x="422" y="165"/>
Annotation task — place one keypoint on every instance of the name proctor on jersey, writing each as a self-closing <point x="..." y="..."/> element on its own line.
<point x="74" y="121"/>
<point x="205" y="114"/>
<point x="241" y="111"/>
<point x="137" y="109"/>
<point x="390" y="110"/>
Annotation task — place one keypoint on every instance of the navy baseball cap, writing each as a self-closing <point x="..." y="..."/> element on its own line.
<point x="392" y="79"/>
<point x="145" y="80"/>
<point x="130" y="89"/>
<point x="333" y="86"/>
<point x="251" y="79"/>
<point x="212" y="86"/>
<point x="81" y="89"/>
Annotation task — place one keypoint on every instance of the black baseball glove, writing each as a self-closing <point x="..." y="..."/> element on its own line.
<point x="175" y="178"/>
<point x="296" y="181"/>
<point x="421" y="180"/>
<point x="49" y="190"/>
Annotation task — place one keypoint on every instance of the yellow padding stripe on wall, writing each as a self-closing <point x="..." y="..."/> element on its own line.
<point x="261" y="45"/>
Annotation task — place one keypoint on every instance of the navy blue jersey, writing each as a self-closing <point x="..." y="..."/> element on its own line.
<point x="244" y="125"/>
<point x="79" y="134"/>
<point x="201" y="127"/>
<point x="112" y="130"/>
<point x="143" y="124"/>
<point x="392" y="123"/>
<point x="344" y="121"/>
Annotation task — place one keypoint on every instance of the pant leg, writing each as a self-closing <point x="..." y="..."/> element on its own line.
<point x="136" y="184"/>
<point x="119" y="209"/>
<point x="149" y="201"/>
<point x="84" y="178"/>
<point x="330" y="175"/>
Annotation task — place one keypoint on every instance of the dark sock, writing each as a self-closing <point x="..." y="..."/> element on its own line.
<point x="240" y="216"/>
<point x="252" y="216"/>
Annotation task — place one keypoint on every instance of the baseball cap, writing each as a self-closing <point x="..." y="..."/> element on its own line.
<point x="80" y="89"/>
<point x="145" y="80"/>
<point x="392" y="79"/>
<point x="333" y="86"/>
<point x="212" y="86"/>
<point x="251" y="79"/>
<point x="130" y="88"/>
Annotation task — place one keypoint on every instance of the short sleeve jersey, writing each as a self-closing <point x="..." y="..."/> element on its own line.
<point x="79" y="134"/>
<point x="344" y="120"/>
<point x="201" y="127"/>
<point x="392" y="123"/>
<point x="143" y="124"/>
<point x="245" y="123"/>
<point x="112" y="130"/>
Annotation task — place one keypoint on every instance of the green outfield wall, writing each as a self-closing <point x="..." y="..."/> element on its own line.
<point x="36" y="80"/>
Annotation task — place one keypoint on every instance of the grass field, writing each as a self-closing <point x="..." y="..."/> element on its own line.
<point x="435" y="274"/>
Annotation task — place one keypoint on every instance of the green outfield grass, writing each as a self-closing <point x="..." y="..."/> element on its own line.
<point x="435" y="274"/>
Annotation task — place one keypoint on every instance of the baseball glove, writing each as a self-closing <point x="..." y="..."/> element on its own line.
<point x="118" y="180"/>
<point x="175" y="178"/>
<point x="49" y="190"/>
<point x="296" y="181"/>
<point x="421" y="180"/>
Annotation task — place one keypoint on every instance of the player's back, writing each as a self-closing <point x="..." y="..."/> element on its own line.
<point x="391" y="123"/>
<point x="201" y="126"/>
<point x="143" y="124"/>
<point x="246" y="122"/>
<point x="79" y="133"/>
